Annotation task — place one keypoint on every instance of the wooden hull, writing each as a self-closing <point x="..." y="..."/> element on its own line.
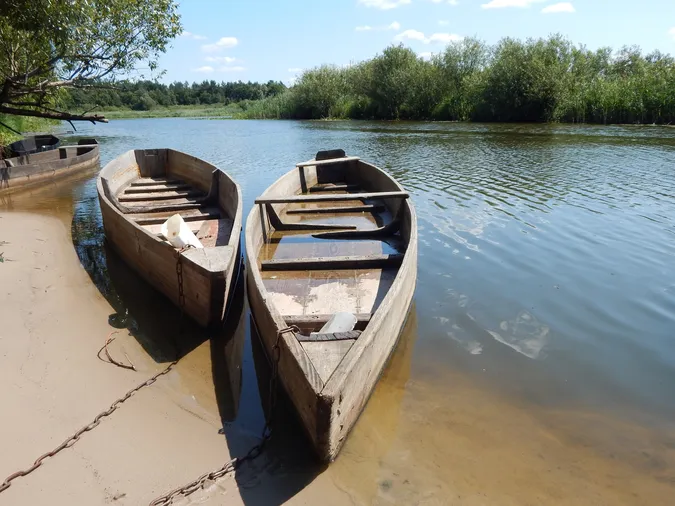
<point x="207" y="273"/>
<point x="33" y="169"/>
<point x="329" y="392"/>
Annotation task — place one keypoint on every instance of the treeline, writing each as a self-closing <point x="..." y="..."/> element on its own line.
<point x="147" y="95"/>
<point x="534" y="80"/>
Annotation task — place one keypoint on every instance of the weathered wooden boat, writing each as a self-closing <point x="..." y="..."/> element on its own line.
<point x="34" y="144"/>
<point x="334" y="235"/>
<point x="140" y="190"/>
<point x="31" y="169"/>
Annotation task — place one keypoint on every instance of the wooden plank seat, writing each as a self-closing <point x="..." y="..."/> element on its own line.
<point x="153" y="181"/>
<point x="333" y="187"/>
<point x="332" y="161"/>
<point x="157" y="188"/>
<point x="331" y="263"/>
<point x="373" y="208"/>
<point x="165" y="195"/>
<point x="317" y="337"/>
<point x="199" y="214"/>
<point x="319" y="320"/>
<point x="302" y="199"/>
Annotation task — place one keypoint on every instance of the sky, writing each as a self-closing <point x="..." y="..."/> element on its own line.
<point x="259" y="40"/>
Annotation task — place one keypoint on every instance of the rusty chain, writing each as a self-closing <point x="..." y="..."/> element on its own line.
<point x="113" y="407"/>
<point x="232" y="465"/>
<point x="91" y="426"/>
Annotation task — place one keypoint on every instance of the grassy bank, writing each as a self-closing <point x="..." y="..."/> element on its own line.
<point x="22" y="124"/>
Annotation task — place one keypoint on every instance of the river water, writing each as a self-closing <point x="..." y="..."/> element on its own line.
<point x="538" y="363"/>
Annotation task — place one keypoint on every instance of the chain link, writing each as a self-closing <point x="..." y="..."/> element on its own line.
<point x="255" y="452"/>
<point x="91" y="426"/>
<point x="179" y="275"/>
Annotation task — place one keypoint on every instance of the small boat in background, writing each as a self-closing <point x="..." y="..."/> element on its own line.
<point x="34" y="144"/>
<point x="140" y="191"/>
<point x="332" y="266"/>
<point x="31" y="169"/>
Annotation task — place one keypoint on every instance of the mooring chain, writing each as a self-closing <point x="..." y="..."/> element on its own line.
<point x="91" y="426"/>
<point x="232" y="465"/>
<point x="179" y="275"/>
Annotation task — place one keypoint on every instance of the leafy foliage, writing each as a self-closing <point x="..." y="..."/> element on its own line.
<point x="49" y="45"/>
<point x="533" y="80"/>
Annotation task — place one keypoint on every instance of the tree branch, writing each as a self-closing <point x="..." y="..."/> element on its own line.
<point x="64" y="116"/>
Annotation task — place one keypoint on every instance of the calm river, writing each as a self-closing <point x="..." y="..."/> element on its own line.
<point x="538" y="364"/>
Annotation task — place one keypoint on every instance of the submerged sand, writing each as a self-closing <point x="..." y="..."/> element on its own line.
<point x="431" y="438"/>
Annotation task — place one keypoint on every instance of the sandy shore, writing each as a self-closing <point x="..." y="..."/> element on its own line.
<point x="437" y="438"/>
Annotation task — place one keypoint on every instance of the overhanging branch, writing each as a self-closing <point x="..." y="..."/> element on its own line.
<point x="64" y="116"/>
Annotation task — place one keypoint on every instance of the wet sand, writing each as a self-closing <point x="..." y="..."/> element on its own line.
<point x="428" y="435"/>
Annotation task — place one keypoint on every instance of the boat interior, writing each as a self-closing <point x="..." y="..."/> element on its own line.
<point x="334" y="244"/>
<point x="53" y="154"/>
<point x="153" y="185"/>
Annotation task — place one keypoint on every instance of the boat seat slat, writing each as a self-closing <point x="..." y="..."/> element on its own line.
<point x="331" y="161"/>
<point x="299" y="199"/>
<point x="187" y="216"/>
<point x="335" y="336"/>
<point x="320" y="319"/>
<point x="152" y="181"/>
<point x="338" y="209"/>
<point x="333" y="187"/>
<point x="157" y="188"/>
<point x="167" y="195"/>
<point x="331" y="263"/>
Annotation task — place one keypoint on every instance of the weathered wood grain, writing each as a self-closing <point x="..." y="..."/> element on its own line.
<point x="304" y="199"/>
<point x="329" y="382"/>
<point x="332" y="161"/>
<point x="330" y="263"/>
<point x="207" y="272"/>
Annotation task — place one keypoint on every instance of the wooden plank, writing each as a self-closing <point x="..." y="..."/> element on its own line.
<point x="187" y="215"/>
<point x="332" y="263"/>
<point x="157" y="188"/>
<point x="315" y="319"/>
<point x="179" y="206"/>
<point x="167" y="195"/>
<point x="338" y="209"/>
<point x="332" y="161"/>
<point x="315" y="337"/>
<point x="152" y="181"/>
<point x="333" y="187"/>
<point x="301" y="199"/>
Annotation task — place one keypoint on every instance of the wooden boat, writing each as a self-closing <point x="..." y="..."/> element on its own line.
<point x="140" y="190"/>
<point x="335" y="234"/>
<point x="32" y="169"/>
<point x="34" y="144"/>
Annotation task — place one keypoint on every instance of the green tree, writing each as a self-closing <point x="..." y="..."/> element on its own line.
<point x="49" y="46"/>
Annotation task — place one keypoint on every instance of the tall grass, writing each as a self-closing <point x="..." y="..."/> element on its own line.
<point x="22" y="124"/>
<point x="533" y="80"/>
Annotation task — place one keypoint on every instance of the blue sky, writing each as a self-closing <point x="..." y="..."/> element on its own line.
<point x="263" y="39"/>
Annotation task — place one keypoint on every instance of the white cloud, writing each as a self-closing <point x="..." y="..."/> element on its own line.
<point x="295" y="70"/>
<point x="441" y="38"/>
<point x="190" y="35"/>
<point x="411" y="35"/>
<point x="206" y="69"/>
<point x="501" y="4"/>
<point x="220" y="59"/>
<point x="444" y="22"/>
<point x="232" y="69"/>
<point x="384" y="5"/>
<point x="223" y="43"/>
<point x="366" y="28"/>
<point x="445" y="38"/>
<point x="451" y="2"/>
<point x="426" y="55"/>
<point x="560" y="7"/>
<point x="672" y="32"/>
